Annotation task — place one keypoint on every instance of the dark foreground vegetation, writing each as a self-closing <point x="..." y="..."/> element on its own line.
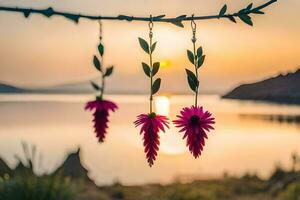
<point x="70" y="181"/>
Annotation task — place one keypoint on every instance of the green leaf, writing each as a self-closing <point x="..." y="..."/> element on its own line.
<point x="258" y="12"/>
<point x="246" y="18"/>
<point x="109" y="71"/>
<point x="146" y="69"/>
<point x="243" y="11"/>
<point x="122" y="17"/>
<point x="97" y="63"/>
<point x="191" y="56"/>
<point x="192" y="84"/>
<point x="26" y="13"/>
<point x="144" y="45"/>
<point x="48" y="12"/>
<point x="95" y="86"/>
<point x="191" y="75"/>
<point x="231" y="18"/>
<point x="155" y="68"/>
<point x="223" y="11"/>
<point x="125" y="17"/>
<point x="153" y="47"/>
<point x="199" y="52"/>
<point x="178" y="23"/>
<point x="181" y="17"/>
<point x="200" y="61"/>
<point x="159" y="17"/>
<point x="249" y="6"/>
<point x="101" y="49"/>
<point x="72" y="17"/>
<point x="192" y="80"/>
<point x="156" y="86"/>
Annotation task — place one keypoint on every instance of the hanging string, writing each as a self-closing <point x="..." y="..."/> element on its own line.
<point x="100" y="31"/>
<point x="102" y="60"/>
<point x="194" y="39"/>
<point x="194" y="28"/>
<point x="150" y="25"/>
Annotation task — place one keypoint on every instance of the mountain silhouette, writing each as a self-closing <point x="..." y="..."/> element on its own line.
<point x="280" y="89"/>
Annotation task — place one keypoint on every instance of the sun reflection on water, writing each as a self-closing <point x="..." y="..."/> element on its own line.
<point x="162" y="105"/>
<point x="171" y="142"/>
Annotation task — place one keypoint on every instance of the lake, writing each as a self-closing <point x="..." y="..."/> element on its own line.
<point x="249" y="137"/>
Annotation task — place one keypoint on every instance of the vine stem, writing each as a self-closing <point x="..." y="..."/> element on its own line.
<point x="102" y="61"/>
<point x="102" y="75"/>
<point x="75" y="17"/>
<point x="196" y="70"/>
<point x="194" y="39"/>
<point x="102" y="85"/>
<point x="151" y="65"/>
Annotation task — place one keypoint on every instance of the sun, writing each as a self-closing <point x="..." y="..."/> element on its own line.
<point x="165" y="64"/>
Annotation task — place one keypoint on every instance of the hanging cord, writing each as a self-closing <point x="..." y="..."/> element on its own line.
<point x="100" y="30"/>
<point x="194" y="28"/>
<point x="150" y="25"/>
<point x="194" y="39"/>
<point x="102" y="60"/>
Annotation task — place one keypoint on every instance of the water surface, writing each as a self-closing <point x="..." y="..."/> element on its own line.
<point x="243" y="141"/>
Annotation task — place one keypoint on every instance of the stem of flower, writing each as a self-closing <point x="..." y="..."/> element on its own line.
<point x="196" y="70"/>
<point x="194" y="39"/>
<point x="102" y="86"/>
<point x="151" y="75"/>
<point x="102" y="61"/>
<point x="102" y="73"/>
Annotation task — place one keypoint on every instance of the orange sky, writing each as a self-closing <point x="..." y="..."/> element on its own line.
<point x="41" y="52"/>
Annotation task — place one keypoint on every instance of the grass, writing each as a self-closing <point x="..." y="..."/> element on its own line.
<point x="31" y="187"/>
<point x="21" y="183"/>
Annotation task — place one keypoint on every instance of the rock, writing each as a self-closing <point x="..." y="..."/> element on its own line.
<point x="72" y="167"/>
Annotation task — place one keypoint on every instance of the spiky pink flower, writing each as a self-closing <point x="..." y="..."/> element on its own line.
<point x="101" y="113"/>
<point x="151" y="125"/>
<point x="195" y="122"/>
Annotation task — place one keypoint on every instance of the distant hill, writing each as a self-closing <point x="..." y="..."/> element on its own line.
<point x="5" y="88"/>
<point x="84" y="87"/>
<point x="69" y="88"/>
<point x="72" y="88"/>
<point x="281" y="89"/>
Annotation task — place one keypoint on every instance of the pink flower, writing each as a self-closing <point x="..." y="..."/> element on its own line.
<point x="195" y="123"/>
<point x="101" y="113"/>
<point x="151" y="125"/>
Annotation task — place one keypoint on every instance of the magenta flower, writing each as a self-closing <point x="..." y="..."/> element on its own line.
<point x="151" y="125"/>
<point x="101" y="113"/>
<point x="195" y="122"/>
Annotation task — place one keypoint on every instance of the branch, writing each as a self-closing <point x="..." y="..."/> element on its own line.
<point x="242" y="14"/>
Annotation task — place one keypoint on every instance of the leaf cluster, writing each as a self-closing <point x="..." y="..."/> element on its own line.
<point x="98" y="65"/>
<point x="197" y="60"/>
<point x="243" y="14"/>
<point x="150" y="71"/>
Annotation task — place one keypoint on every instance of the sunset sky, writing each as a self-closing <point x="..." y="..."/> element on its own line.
<point x="41" y="52"/>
